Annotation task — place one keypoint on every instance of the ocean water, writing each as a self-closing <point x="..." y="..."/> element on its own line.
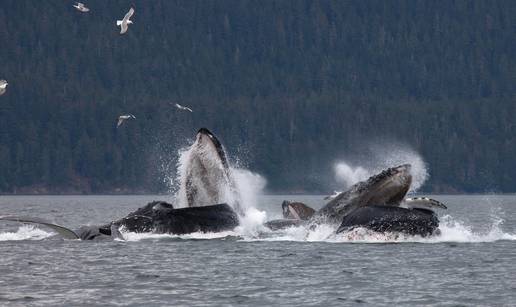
<point x="472" y="263"/>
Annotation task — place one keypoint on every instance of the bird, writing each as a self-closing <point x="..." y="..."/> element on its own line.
<point x="124" y="23"/>
<point x="180" y="107"/>
<point x="3" y="86"/>
<point x="81" y="7"/>
<point x="122" y="118"/>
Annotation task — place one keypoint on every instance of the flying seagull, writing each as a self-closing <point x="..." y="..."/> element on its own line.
<point x="3" y="86"/>
<point x="122" y="118"/>
<point x="81" y="7"/>
<point x="124" y="23"/>
<point x="180" y="107"/>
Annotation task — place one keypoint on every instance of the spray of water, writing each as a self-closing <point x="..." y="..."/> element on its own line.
<point x="178" y="182"/>
<point x="381" y="158"/>
<point x="26" y="232"/>
<point x="348" y="175"/>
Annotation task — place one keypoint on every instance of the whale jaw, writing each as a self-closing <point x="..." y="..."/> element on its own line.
<point x="207" y="178"/>
<point x="386" y="188"/>
<point x="389" y="187"/>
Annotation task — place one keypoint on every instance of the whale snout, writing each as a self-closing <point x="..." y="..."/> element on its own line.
<point x="205" y="135"/>
<point x="205" y="131"/>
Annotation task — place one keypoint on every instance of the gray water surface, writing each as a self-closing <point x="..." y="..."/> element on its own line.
<point x="472" y="263"/>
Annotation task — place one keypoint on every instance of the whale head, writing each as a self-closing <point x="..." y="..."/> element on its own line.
<point x="210" y="147"/>
<point x="207" y="178"/>
<point x="389" y="187"/>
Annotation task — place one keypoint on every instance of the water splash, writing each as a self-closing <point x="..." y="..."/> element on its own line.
<point x="25" y="232"/>
<point x="349" y="175"/>
<point x="132" y="236"/>
<point x="382" y="157"/>
<point x="250" y="186"/>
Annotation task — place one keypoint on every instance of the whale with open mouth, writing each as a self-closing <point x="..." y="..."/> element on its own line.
<point x="378" y="204"/>
<point x="207" y="178"/>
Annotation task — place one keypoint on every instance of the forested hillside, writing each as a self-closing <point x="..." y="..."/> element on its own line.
<point x="290" y="87"/>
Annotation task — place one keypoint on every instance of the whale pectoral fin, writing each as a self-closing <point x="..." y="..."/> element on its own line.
<point x="63" y="231"/>
<point x="422" y="203"/>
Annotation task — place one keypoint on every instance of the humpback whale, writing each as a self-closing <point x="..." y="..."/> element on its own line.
<point x="208" y="191"/>
<point x="208" y="178"/>
<point x="378" y="204"/>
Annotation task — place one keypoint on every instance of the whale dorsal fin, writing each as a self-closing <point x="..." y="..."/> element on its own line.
<point x="422" y="203"/>
<point x="63" y="231"/>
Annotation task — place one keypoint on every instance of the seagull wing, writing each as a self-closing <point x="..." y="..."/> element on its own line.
<point x="129" y="14"/>
<point x="120" y="121"/>
<point x="188" y="109"/>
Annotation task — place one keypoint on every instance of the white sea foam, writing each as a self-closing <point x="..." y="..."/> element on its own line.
<point x="132" y="236"/>
<point x="252" y="229"/>
<point x="25" y="232"/>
